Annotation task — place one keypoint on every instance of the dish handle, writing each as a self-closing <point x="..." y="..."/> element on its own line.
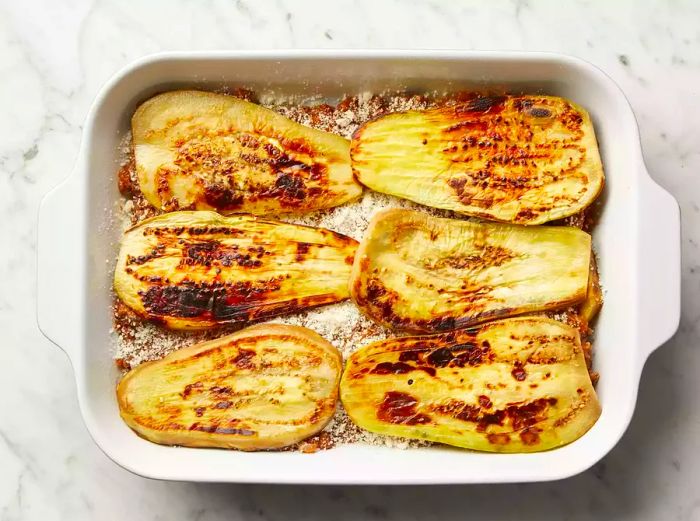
<point x="659" y="255"/>
<point x="60" y="265"/>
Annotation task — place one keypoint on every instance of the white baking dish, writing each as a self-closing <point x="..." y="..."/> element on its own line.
<point x="637" y="239"/>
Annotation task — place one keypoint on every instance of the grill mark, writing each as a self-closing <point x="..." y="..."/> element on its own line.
<point x="400" y="408"/>
<point x="243" y="360"/>
<point x="500" y="438"/>
<point x="299" y="171"/>
<point x="209" y="353"/>
<point x="219" y="391"/>
<point x="159" y="231"/>
<point x="411" y="356"/>
<point x="400" y="368"/>
<point x="189" y="388"/>
<point x="302" y="249"/>
<point x="230" y="303"/>
<point x="213" y="253"/>
<point x="460" y="355"/>
<point x="222" y="197"/>
<point x="289" y="189"/>
<point x="482" y="104"/>
<point x="518" y="372"/>
<point x="519" y="416"/>
<point x="530" y="435"/>
<point x="215" y="429"/>
<point x="487" y="256"/>
<point x="440" y="357"/>
<point x="219" y="302"/>
<point x="485" y="402"/>
<point x="157" y="251"/>
<point x="481" y="126"/>
<point x="539" y="112"/>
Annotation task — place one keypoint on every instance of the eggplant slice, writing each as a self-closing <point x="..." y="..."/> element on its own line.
<point x="514" y="385"/>
<point x="264" y="387"/>
<point x="421" y="273"/>
<point x="195" y="270"/>
<point x="518" y="159"/>
<point x="203" y="151"/>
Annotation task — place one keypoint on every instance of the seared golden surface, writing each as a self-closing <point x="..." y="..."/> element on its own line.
<point x="519" y="159"/>
<point x="201" y="150"/>
<point x="264" y="387"/>
<point x="515" y="385"/>
<point x="421" y="273"/>
<point x="191" y="270"/>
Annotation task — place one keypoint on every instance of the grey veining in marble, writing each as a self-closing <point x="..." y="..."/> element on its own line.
<point x="54" y="56"/>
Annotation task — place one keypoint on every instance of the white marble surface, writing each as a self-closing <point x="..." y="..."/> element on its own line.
<point x="54" y="56"/>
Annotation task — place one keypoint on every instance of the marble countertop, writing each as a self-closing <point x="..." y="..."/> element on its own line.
<point x="54" y="56"/>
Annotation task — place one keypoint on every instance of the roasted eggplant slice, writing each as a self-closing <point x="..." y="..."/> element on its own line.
<point x="193" y="270"/>
<point x="518" y="159"/>
<point x="514" y="385"/>
<point x="201" y="150"/>
<point x="264" y="387"/>
<point x="421" y="273"/>
<point x="594" y="296"/>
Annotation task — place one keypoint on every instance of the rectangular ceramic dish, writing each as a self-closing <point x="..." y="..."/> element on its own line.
<point x="637" y="239"/>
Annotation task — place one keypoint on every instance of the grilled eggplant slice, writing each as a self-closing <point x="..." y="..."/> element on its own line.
<point x="200" y="150"/>
<point x="514" y="385"/>
<point x="421" y="273"/>
<point x="594" y="296"/>
<point x="518" y="159"/>
<point x="194" y="270"/>
<point x="264" y="387"/>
